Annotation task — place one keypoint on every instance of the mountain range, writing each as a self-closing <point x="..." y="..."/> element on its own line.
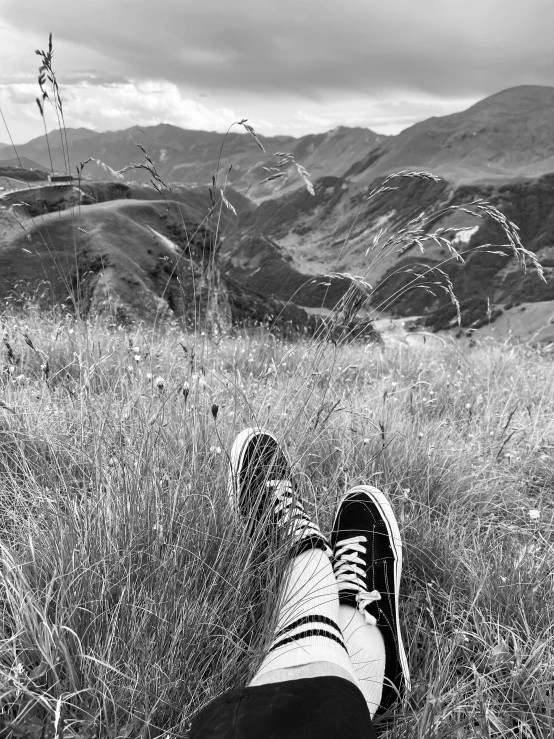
<point x="506" y="135"/>
<point x="192" y="157"/>
<point x="500" y="149"/>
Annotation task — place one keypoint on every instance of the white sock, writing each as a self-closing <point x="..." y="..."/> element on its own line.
<point x="366" y="648"/>
<point x="307" y="627"/>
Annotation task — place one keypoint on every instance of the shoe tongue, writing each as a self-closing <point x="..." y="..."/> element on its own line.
<point x="348" y="598"/>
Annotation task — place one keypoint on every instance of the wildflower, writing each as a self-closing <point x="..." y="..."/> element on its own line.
<point x="159" y="382"/>
<point x="468" y="406"/>
<point x="148" y="375"/>
<point x="215" y="410"/>
<point x="366" y="441"/>
<point x="534" y="514"/>
<point x="215" y="449"/>
<point x="185" y="390"/>
<point x="137" y="357"/>
<point x="136" y="349"/>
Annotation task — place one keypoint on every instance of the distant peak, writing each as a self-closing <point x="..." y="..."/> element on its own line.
<point x="350" y="131"/>
<point x="517" y="97"/>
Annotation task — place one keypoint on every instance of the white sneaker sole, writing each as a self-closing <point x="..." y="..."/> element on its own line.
<point x="384" y="507"/>
<point x="238" y="451"/>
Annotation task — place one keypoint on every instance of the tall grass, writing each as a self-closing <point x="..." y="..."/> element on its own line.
<point x="129" y="598"/>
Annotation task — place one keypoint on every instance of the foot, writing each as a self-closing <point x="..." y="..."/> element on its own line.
<point x="262" y="490"/>
<point x="367" y="551"/>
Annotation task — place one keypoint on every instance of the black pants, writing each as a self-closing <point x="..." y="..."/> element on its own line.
<point x="312" y="708"/>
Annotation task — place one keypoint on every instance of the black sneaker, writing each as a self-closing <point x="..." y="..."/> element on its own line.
<point x="367" y="561"/>
<point x="261" y="489"/>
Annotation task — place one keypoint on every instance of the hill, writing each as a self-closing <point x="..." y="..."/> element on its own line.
<point x="506" y="135"/>
<point x="13" y="176"/>
<point x="21" y="162"/>
<point x="134" y="259"/>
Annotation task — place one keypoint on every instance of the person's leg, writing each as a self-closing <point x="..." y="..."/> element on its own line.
<point x="367" y="550"/>
<point x="307" y="641"/>
<point x="325" y="707"/>
<point x="306" y="687"/>
<point x="366" y="648"/>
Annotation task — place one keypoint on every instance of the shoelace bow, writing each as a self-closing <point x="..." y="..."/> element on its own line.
<point x="350" y="576"/>
<point x="290" y="512"/>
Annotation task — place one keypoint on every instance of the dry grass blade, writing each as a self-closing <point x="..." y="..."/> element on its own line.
<point x="227" y="204"/>
<point x="272" y="177"/>
<point x="250" y="129"/>
<point x="306" y="177"/>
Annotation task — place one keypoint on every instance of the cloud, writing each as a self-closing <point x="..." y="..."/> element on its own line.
<point x="119" y="105"/>
<point x="308" y="47"/>
<point x="388" y="114"/>
<point x="109" y="105"/>
<point x="89" y="77"/>
<point x="315" y="121"/>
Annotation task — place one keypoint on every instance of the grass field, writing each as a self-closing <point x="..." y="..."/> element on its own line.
<point x="127" y="597"/>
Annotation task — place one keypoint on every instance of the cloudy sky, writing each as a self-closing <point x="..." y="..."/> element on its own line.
<point x="290" y="66"/>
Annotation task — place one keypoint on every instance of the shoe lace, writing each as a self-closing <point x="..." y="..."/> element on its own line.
<point x="290" y="512"/>
<point x="350" y="573"/>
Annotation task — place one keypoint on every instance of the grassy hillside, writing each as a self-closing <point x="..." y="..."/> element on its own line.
<point x="127" y="596"/>
<point x="146" y="259"/>
<point x="113" y="234"/>
<point x="22" y="175"/>
<point x="506" y="135"/>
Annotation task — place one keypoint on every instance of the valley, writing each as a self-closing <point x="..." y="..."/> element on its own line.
<point x="106" y="235"/>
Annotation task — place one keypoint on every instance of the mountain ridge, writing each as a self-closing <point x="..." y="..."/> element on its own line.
<point x="192" y="157"/>
<point x="507" y="134"/>
<point x="510" y="133"/>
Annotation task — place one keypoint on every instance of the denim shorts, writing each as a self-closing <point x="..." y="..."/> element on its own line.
<point x="327" y="707"/>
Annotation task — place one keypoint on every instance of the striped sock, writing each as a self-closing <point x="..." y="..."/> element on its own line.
<point x="307" y="628"/>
